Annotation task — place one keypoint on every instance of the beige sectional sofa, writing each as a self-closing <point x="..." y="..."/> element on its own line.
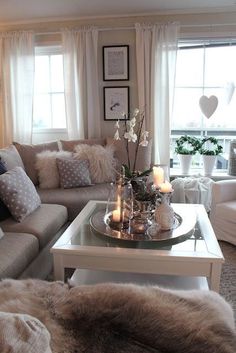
<point x="24" y="249"/>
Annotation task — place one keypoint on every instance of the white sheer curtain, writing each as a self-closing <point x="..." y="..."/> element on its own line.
<point x="16" y="88"/>
<point x="81" y="83"/>
<point x="156" y="49"/>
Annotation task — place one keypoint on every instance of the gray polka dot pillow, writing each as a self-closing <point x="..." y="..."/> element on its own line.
<point x="73" y="173"/>
<point x="18" y="193"/>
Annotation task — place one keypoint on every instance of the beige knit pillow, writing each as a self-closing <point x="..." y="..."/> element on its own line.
<point x="47" y="168"/>
<point x="101" y="161"/>
<point x="21" y="333"/>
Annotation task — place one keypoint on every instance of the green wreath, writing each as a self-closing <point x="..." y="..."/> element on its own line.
<point x="214" y="152"/>
<point x="187" y="145"/>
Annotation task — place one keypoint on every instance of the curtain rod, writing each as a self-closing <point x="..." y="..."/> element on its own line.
<point x="133" y="27"/>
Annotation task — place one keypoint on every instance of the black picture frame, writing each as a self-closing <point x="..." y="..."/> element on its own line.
<point x="116" y="63"/>
<point x="116" y="103"/>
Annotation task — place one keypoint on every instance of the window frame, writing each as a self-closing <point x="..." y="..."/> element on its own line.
<point x="48" y="50"/>
<point x="228" y="133"/>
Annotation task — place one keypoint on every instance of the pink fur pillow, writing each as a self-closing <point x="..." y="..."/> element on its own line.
<point x="101" y="161"/>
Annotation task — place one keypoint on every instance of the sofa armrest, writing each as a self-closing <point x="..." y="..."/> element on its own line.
<point x="223" y="190"/>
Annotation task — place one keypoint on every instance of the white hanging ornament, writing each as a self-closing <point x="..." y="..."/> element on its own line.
<point x="229" y="91"/>
<point x="208" y="105"/>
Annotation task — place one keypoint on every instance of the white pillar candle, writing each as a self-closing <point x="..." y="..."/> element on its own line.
<point x="158" y="176"/>
<point x="165" y="187"/>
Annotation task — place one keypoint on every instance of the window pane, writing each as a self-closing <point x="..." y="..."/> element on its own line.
<point x="57" y="82"/>
<point x="42" y="74"/>
<point x="219" y="64"/>
<point x="42" y="111"/>
<point x="58" y="111"/>
<point x="186" y="109"/>
<point x="49" y="97"/>
<point x="190" y="68"/>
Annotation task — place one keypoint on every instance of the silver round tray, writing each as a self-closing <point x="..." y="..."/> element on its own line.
<point x="183" y="228"/>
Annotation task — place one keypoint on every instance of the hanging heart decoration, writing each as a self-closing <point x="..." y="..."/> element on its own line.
<point x="208" y="105"/>
<point x="229" y="91"/>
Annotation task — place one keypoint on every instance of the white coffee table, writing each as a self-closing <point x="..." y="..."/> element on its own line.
<point x="197" y="258"/>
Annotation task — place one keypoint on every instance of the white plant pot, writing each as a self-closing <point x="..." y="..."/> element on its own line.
<point x="208" y="164"/>
<point x="185" y="162"/>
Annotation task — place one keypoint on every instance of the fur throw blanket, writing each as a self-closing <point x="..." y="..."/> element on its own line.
<point x="122" y="318"/>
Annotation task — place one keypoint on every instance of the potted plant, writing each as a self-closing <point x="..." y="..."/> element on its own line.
<point x="209" y="149"/>
<point x="186" y="147"/>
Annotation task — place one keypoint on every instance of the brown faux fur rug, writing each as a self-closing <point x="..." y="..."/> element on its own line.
<point x="116" y="318"/>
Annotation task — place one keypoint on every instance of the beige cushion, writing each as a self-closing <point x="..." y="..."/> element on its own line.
<point x="11" y="157"/>
<point x="18" y="193"/>
<point x="73" y="173"/>
<point x="43" y="223"/>
<point x="70" y="145"/>
<point x="23" y="248"/>
<point x="28" y="156"/>
<point x="23" y="333"/>
<point x="74" y="199"/>
<point x="47" y="168"/>
<point x="144" y="153"/>
<point x="101" y="161"/>
<point x="226" y="211"/>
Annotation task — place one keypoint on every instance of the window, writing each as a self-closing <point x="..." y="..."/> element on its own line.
<point x="49" y="95"/>
<point x="205" y="68"/>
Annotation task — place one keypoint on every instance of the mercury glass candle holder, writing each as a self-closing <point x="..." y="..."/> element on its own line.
<point x="164" y="213"/>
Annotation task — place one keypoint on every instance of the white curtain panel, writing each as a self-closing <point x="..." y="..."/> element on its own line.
<point x="156" y="49"/>
<point x="81" y="83"/>
<point x="17" y="87"/>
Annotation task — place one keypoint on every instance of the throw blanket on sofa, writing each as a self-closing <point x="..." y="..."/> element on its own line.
<point x="112" y="318"/>
<point x="193" y="190"/>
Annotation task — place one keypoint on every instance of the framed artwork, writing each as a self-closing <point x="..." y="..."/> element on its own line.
<point x="116" y="102"/>
<point x="116" y="63"/>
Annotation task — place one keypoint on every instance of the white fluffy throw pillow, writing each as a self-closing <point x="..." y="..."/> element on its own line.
<point x="101" y="161"/>
<point x="47" y="168"/>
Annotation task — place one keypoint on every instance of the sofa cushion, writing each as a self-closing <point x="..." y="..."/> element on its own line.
<point x="144" y="153"/>
<point x="23" y="248"/>
<point x="4" y="212"/>
<point x="28" y="156"/>
<point x="101" y="161"/>
<point x="226" y="211"/>
<point x="73" y="173"/>
<point x="43" y="223"/>
<point x="11" y="158"/>
<point x="70" y="145"/>
<point x="75" y="199"/>
<point x="18" y="193"/>
<point x="47" y="168"/>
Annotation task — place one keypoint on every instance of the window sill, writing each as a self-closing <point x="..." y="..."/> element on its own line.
<point x="216" y="176"/>
<point x="49" y="131"/>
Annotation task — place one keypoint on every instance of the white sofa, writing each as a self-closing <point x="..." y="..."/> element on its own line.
<point x="223" y="210"/>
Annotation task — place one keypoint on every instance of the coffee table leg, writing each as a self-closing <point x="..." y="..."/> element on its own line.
<point x="59" y="270"/>
<point x="214" y="279"/>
